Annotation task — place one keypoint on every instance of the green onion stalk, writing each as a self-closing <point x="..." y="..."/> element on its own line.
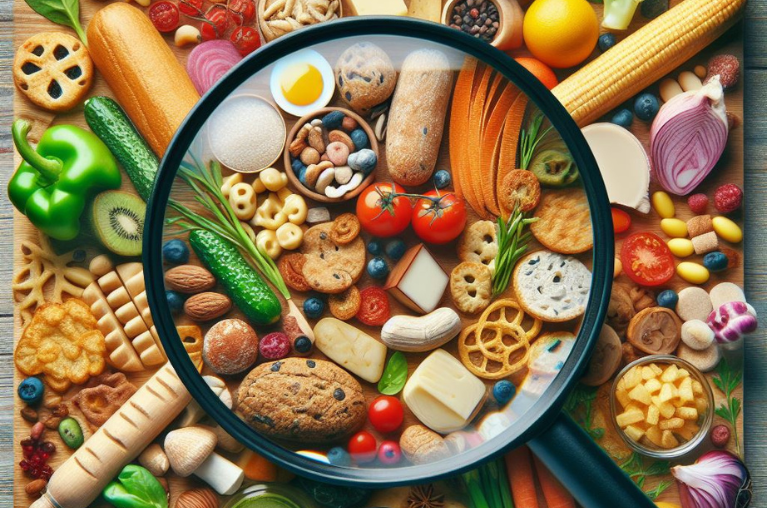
<point x="488" y="486"/>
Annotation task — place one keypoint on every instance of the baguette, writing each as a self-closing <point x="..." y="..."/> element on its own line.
<point x="142" y="71"/>
<point x="417" y="116"/>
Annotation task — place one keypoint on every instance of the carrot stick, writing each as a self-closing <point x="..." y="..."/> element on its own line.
<point x="519" y="468"/>
<point x="459" y="118"/>
<point x="491" y="142"/>
<point x="507" y="160"/>
<point x="555" y="494"/>
<point x="476" y="126"/>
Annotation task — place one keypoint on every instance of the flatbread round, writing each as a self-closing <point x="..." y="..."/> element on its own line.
<point x="564" y="221"/>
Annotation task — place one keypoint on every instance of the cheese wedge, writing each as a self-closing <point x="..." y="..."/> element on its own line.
<point x="352" y="349"/>
<point x="417" y="280"/>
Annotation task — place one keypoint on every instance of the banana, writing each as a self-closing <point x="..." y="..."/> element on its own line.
<point x="422" y="333"/>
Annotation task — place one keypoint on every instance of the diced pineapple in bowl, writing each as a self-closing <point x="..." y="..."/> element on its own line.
<point x="662" y="406"/>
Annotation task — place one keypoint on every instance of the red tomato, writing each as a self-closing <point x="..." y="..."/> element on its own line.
<point x="362" y="447"/>
<point x="380" y="214"/>
<point x="215" y="24"/>
<point x="385" y="414"/>
<point x="164" y="16"/>
<point x="374" y="307"/>
<point x="243" y="11"/>
<point x="441" y="221"/>
<point x="191" y="7"/>
<point x="621" y="220"/>
<point x="647" y="259"/>
<point x="389" y="453"/>
<point x="245" y="39"/>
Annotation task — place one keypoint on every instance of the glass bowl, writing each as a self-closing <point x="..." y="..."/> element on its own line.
<point x="703" y="421"/>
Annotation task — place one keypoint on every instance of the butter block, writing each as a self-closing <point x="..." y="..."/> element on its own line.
<point x="378" y="7"/>
<point x="417" y="281"/>
<point x="443" y="394"/>
<point x="350" y="348"/>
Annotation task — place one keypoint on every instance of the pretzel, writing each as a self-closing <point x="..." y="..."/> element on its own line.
<point x="497" y="348"/>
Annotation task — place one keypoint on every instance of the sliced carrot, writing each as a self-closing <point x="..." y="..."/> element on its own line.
<point x="459" y="119"/>
<point x="555" y="494"/>
<point x="519" y="469"/>
<point x="257" y="468"/>
<point x="507" y="158"/>
<point x="491" y="142"/>
<point x="476" y="127"/>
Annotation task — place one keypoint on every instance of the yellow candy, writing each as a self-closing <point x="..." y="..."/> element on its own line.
<point x="674" y="228"/>
<point x="692" y="272"/>
<point x="663" y="504"/>
<point x="727" y="229"/>
<point x="681" y="247"/>
<point x="663" y="205"/>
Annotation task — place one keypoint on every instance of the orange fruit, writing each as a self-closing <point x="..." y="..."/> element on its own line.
<point x="561" y="33"/>
<point x="540" y="70"/>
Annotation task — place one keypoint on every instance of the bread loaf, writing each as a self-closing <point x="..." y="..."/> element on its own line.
<point x="142" y="71"/>
<point x="417" y="116"/>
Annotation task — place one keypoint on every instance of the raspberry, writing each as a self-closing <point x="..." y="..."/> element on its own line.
<point x="698" y="203"/>
<point x="728" y="198"/>
<point x="274" y="346"/>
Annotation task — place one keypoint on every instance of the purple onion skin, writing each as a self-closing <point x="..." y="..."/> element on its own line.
<point x="731" y="322"/>
<point x="718" y="479"/>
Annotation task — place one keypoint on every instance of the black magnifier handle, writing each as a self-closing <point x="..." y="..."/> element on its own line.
<point x="591" y="476"/>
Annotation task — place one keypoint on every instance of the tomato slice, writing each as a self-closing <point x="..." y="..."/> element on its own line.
<point x="164" y="16"/>
<point x="621" y="220"/>
<point x="647" y="259"/>
<point x="374" y="307"/>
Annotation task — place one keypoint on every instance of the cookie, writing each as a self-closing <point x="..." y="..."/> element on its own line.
<point x="291" y="268"/>
<point x="345" y="306"/>
<point x="345" y="229"/>
<point x="53" y="70"/>
<point x="519" y="188"/>
<point x="331" y="268"/>
<point x="471" y="286"/>
<point x="564" y="221"/>
<point x="365" y="76"/>
<point x="478" y="243"/>
<point x="304" y="400"/>
<point x="552" y="287"/>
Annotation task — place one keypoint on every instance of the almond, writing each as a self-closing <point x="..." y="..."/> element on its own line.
<point x="197" y="498"/>
<point x="189" y="279"/>
<point x="207" y="306"/>
<point x="35" y="487"/>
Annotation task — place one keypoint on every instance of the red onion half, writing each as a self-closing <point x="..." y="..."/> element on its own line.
<point x="688" y="136"/>
<point x="718" y="479"/>
<point x="209" y="61"/>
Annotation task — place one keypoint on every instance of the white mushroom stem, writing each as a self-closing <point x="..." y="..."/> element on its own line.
<point x="223" y="476"/>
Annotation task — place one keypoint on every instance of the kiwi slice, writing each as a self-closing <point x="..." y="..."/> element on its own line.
<point x="117" y="219"/>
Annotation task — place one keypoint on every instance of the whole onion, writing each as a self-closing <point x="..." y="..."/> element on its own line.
<point x="718" y="479"/>
<point x="688" y="136"/>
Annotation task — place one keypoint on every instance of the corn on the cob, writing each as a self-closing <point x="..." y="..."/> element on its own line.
<point x="645" y="56"/>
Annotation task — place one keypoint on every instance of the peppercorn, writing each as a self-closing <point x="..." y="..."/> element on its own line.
<point x="479" y="18"/>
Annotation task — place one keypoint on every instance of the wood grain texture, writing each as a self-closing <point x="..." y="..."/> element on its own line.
<point x="755" y="28"/>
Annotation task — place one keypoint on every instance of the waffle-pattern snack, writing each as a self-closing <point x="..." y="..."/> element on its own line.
<point x="564" y="223"/>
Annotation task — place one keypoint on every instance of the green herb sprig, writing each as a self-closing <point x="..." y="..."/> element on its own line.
<point x="529" y="139"/>
<point x="727" y="380"/>
<point x="488" y="486"/>
<point x="635" y="468"/>
<point x="580" y="407"/>
<point x="61" y="12"/>
<point x="512" y="244"/>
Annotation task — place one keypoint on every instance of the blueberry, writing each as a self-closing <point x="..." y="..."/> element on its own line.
<point x="175" y="300"/>
<point x="715" y="261"/>
<point x="375" y="247"/>
<point x="395" y="249"/>
<point x="339" y="457"/>
<point x="333" y="120"/>
<point x="605" y="42"/>
<point x="646" y="106"/>
<point x="175" y="251"/>
<point x="377" y="268"/>
<point x="302" y="344"/>
<point x="360" y="139"/>
<point x="668" y="299"/>
<point x="442" y="179"/>
<point x="623" y="118"/>
<point x="31" y="390"/>
<point x="504" y="391"/>
<point x="313" y="307"/>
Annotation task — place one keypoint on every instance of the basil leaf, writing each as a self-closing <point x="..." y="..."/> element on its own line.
<point x="136" y="488"/>
<point x="394" y="375"/>
<point x="61" y="12"/>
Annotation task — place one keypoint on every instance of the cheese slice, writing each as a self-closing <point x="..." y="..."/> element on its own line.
<point x="418" y="281"/>
<point x="378" y="7"/>
<point x="352" y="349"/>
<point x="443" y="394"/>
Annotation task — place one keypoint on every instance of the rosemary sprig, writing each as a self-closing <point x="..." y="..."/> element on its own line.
<point x="728" y="380"/>
<point x="512" y="244"/>
<point x="206" y="184"/>
<point x="529" y="139"/>
<point x="635" y="468"/>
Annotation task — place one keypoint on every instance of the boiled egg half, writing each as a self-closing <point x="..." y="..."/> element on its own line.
<point x="302" y="83"/>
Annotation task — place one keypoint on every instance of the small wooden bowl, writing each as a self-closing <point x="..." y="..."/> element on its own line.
<point x="315" y="195"/>
<point x="509" y="35"/>
<point x="267" y="32"/>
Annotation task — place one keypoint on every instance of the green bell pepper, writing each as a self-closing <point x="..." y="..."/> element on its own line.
<point x="135" y="487"/>
<point x="55" y="180"/>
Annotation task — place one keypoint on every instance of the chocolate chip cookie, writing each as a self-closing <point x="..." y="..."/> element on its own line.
<point x="329" y="267"/>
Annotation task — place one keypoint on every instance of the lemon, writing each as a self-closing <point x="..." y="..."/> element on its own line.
<point x="561" y="33"/>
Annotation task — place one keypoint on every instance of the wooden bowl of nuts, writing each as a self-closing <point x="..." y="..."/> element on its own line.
<point x="332" y="155"/>
<point x="275" y="20"/>
<point x="498" y="22"/>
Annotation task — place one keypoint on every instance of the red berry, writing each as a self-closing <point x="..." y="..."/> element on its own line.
<point x="728" y="198"/>
<point x="24" y="465"/>
<point x="389" y="453"/>
<point x="698" y="203"/>
<point x="48" y="447"/>
<point x="274" y="346"/>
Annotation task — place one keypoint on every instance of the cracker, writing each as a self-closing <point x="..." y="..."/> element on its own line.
<point x="471" y="286"/>
<point x="478" y="243"/>
<point x="345" y="306"/>
<point x="564" y="223"/>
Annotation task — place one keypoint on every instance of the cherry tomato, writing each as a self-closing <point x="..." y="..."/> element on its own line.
<point x="621" y="220"/>
<point x="389" y="453"/>
<point x="385" y="414"/>
<point x="440" y="219"/>
<point x="647" y="259"/>
<point x="362" y="447"/>
<point x="191" y="8"/>
<point x="380" y="214"/>
<point x="243" y="11"/>
<point x="245" y="39"/>
<point x="164" y="16"/>
<point x="374" y="307"/>
<point x="215" y="24"/>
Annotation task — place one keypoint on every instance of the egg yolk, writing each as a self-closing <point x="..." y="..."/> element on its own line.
<point x="301" y="84"/>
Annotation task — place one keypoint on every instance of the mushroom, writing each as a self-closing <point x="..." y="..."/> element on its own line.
<point x="421" y="333"/>
<point x="732" y="321"/>
<point x="193" y="413"/>
<point x="655" y="330"/>
<point x="225" y="441"/>
<point x="190" y="451"/>
<point x="605" y="359"/>
<point x="154" y="460"/>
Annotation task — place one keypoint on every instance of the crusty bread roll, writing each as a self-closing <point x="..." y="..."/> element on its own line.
<point x="417" y="116"/>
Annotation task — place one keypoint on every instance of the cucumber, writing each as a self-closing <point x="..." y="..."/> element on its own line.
<point x="110" y="123"/>
<point x="243" y="284"/>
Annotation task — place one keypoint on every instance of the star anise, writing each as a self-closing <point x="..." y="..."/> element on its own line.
<point x="423" y="496"/>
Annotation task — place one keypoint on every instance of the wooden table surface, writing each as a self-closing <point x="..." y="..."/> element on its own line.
<point x="756" y="263"/>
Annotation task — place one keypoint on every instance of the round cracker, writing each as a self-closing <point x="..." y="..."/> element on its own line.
<point x="564" y="221"/>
